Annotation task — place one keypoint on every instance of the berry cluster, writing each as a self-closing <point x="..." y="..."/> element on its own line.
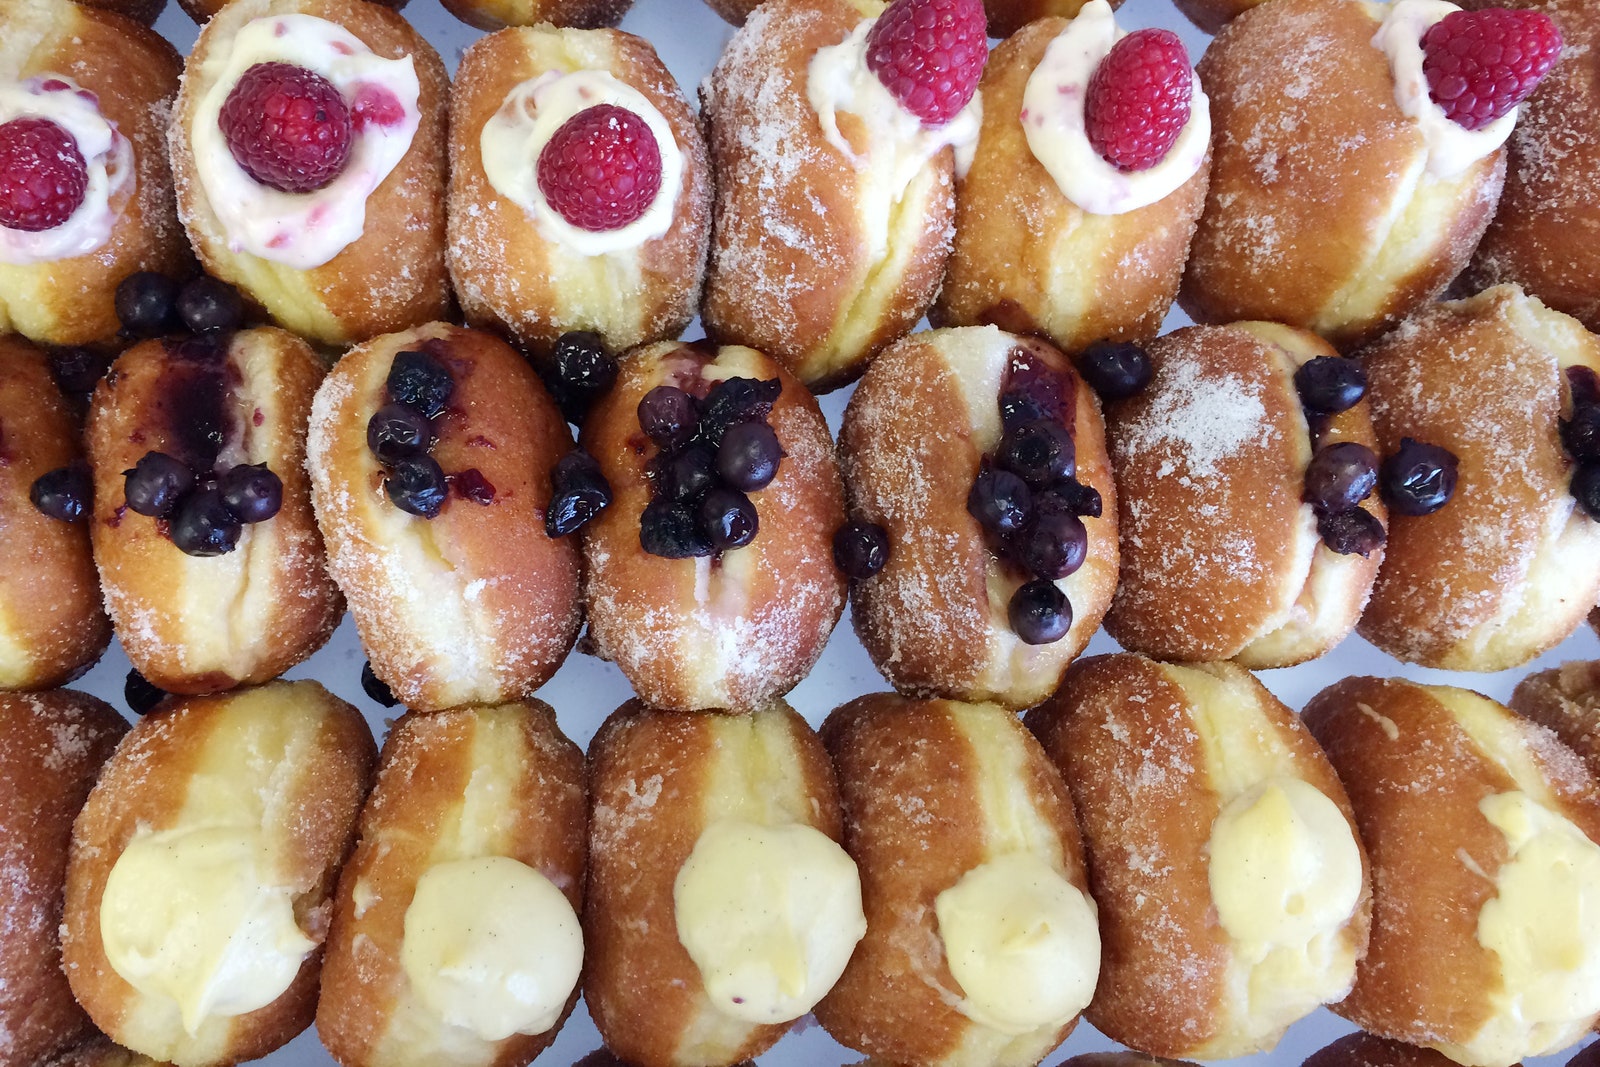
<point x="713" y="453"/>
<point x="152" y="305"/>
<point x="1581" y="436"/>
<point x="204" y="512"/>
<point x="1342" y="475"/>
<point x="401" y="436"/>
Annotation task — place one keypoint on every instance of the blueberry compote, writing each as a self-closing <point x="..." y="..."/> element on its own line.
<point x="1343" y="474"/>
<point x="1581" y="436"/>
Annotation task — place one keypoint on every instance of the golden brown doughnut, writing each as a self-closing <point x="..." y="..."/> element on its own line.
<point x="478" y="604"/>
<point x="966" y="842"/>
<point x="511" y="266"/>
<point x="202" y="871"/>
<point x="1233" y="890"/>
<point x="1482" y="831"/>
<point x="51" y="748"/>
<point x="132" y="72"/>
<point x="719" y="905"/>
<point x="1322" y="213"/>
<point x="1007" y="17"/>
<point x="577" y="14"/>
<point x="1366" y="1050"/>
<point x="1221" y="557"/>
<point x="483" y="808"/>
<point x="935" y="619"/>
<point x="145" y="11"/>
<point x="391" y="275"/>
<point x="52" y="623"/>
<point x="1511" y="565"/>
<point x="733" y="630"/>
<point x="1566" y="700"/>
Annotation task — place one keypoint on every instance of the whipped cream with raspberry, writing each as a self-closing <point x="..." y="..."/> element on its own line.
<point x="531" y="114"/>
<point x="1452" y="148"/>
<point x="305" y="230"/>
<point x="1053" y="120"/>
<point x="107" y="153"/>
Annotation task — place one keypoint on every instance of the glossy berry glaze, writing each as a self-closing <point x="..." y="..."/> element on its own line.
<point x="1342" y="474"/>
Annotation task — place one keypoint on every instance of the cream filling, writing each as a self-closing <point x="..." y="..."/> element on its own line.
<point x="107" y="154"/>
<point x="1052" y="118"/>
<point x="301" y="230"/>
<point x="515" y="135"/>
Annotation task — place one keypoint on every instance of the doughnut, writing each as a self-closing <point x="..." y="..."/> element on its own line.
<point x="691" y="625"/>
<point x="1247" y="529"/>
<point x="1365" y="1050"/>
<point x="207" y="590"/>
<point x="1233" y="890"/>
<point x="719" y="905"/>
<point x="98" y="83"/>
<point x="455" y="934"/>
<point x="578" y="14"/>
<point x="1121" y="1059"/>
<point x="51" y="748"/>
<point x="1007" y="17"/>
<point x="458" y="593"/>
<point x="52" y="624"/>
<point x="202" y="870"/>
<point x="1588" y="1056"/>
<point x="1330" y="209"/>
<point x="827" y="243"/>
<point x="937" y="619"/>
<point x="1565" y="700"/>
<point x="518" y="263"/>
<point x="1051" y="238"/>
<point x="339" y="248"/>
<point x="202" y="10"/>
<point x="1481" y="828"/>
<point x="981" y="944"/>
<point x="1511" y="565"/>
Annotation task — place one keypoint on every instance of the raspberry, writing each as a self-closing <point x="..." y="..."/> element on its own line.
<point x="930" y="55"/>
<point x="42" y="175"/>
<point x="1138" y="99"/>
<point x="288" y="127"/>
<point x="1481" y="64"/>
<point x="602" y="169"/>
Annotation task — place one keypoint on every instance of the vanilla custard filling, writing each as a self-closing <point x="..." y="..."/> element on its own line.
<point x="491" y="945"/>
<point x="1053" y="121"/>
<point x="1452" y="148"/>
<point x="515" y="135"/>
<point x="107" y="154"/>
<point x="770" y="916"/>
<point x="302" y="230"/>
<point x="1023" y="942"/>
<point x="195" y="917"/>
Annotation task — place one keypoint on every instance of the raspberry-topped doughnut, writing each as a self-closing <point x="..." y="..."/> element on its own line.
<point x="1344" y="194"/>
<point x="538" y="246"/>
<point x="335" y="224"/>
<point x="835" y="144"/>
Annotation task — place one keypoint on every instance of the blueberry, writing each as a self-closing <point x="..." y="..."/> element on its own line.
<point x="860" y="549"/>
<point x="141" y="695"/>
<point x="1018" y="406"/>
<point x="147" y="304"/>
<point x="1354" y="531"/>
<point x="1038" y="452"/>
<point x="203" y="525"/>
<point x="1581" y="433"/>
<point x="735" y="400"/>
<point x="580" y="494"/>
<point x="1340" y="476"/>
<point x="670" y="530"/>
<point x="1069" y="496"/>
<point x="208" y="304"/>
<point x="1039" y="612"/>
<point x="999" y="500"/>
<point x="396" y="431"/>
<point x="1052" y="546"/>
<point x="1419" y="479"/>
<point x="748" y="456"/>
<point x="584" y="372"/>
<point x="252" y="492"/>
<point x="419" y="381"/>
<point x="728" y="519"/>
<point x="1584" y="384"/>
<point x="578" y="469"/>
<point x="1586" y="487"/>
<point x="156" y="483"/>
<point x="376" y="687"/>
<point x="686" y="476"/>
<point x="63" y="493"/>
<point x="1115" y="369"/>
<point x="417" y="485"/>
<point x="667" y="415"/>
<point x="78" y="370"/>
<point x="1330" y="384"/>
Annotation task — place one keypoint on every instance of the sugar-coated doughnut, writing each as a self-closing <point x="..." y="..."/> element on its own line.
<point x="1367" y="1050"/>
<point x="915" y="437"/>
<point x="1329" y="209"/>
<point x="1222" y="850"/>
<point x="52" y="746"/>
<point x="516" y="262"/>
<point x="1511" y="565"/>
<point x="731" y="629"/>
<point x="493" y="14"/>
<point x="719" y="906"/>
<point x="52" y="623"/>
<point x="1222" y="555"/>
<point x="363" y="254"/>
<point x="202" y="871"/>
<point x="477" y="604"/>
<point x="1481" y="828"/>
<point x="455" y="936"/>
<point x="1566" y="700"/>
<point x="57" y="284"/>
<point x="199" y="623"/>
